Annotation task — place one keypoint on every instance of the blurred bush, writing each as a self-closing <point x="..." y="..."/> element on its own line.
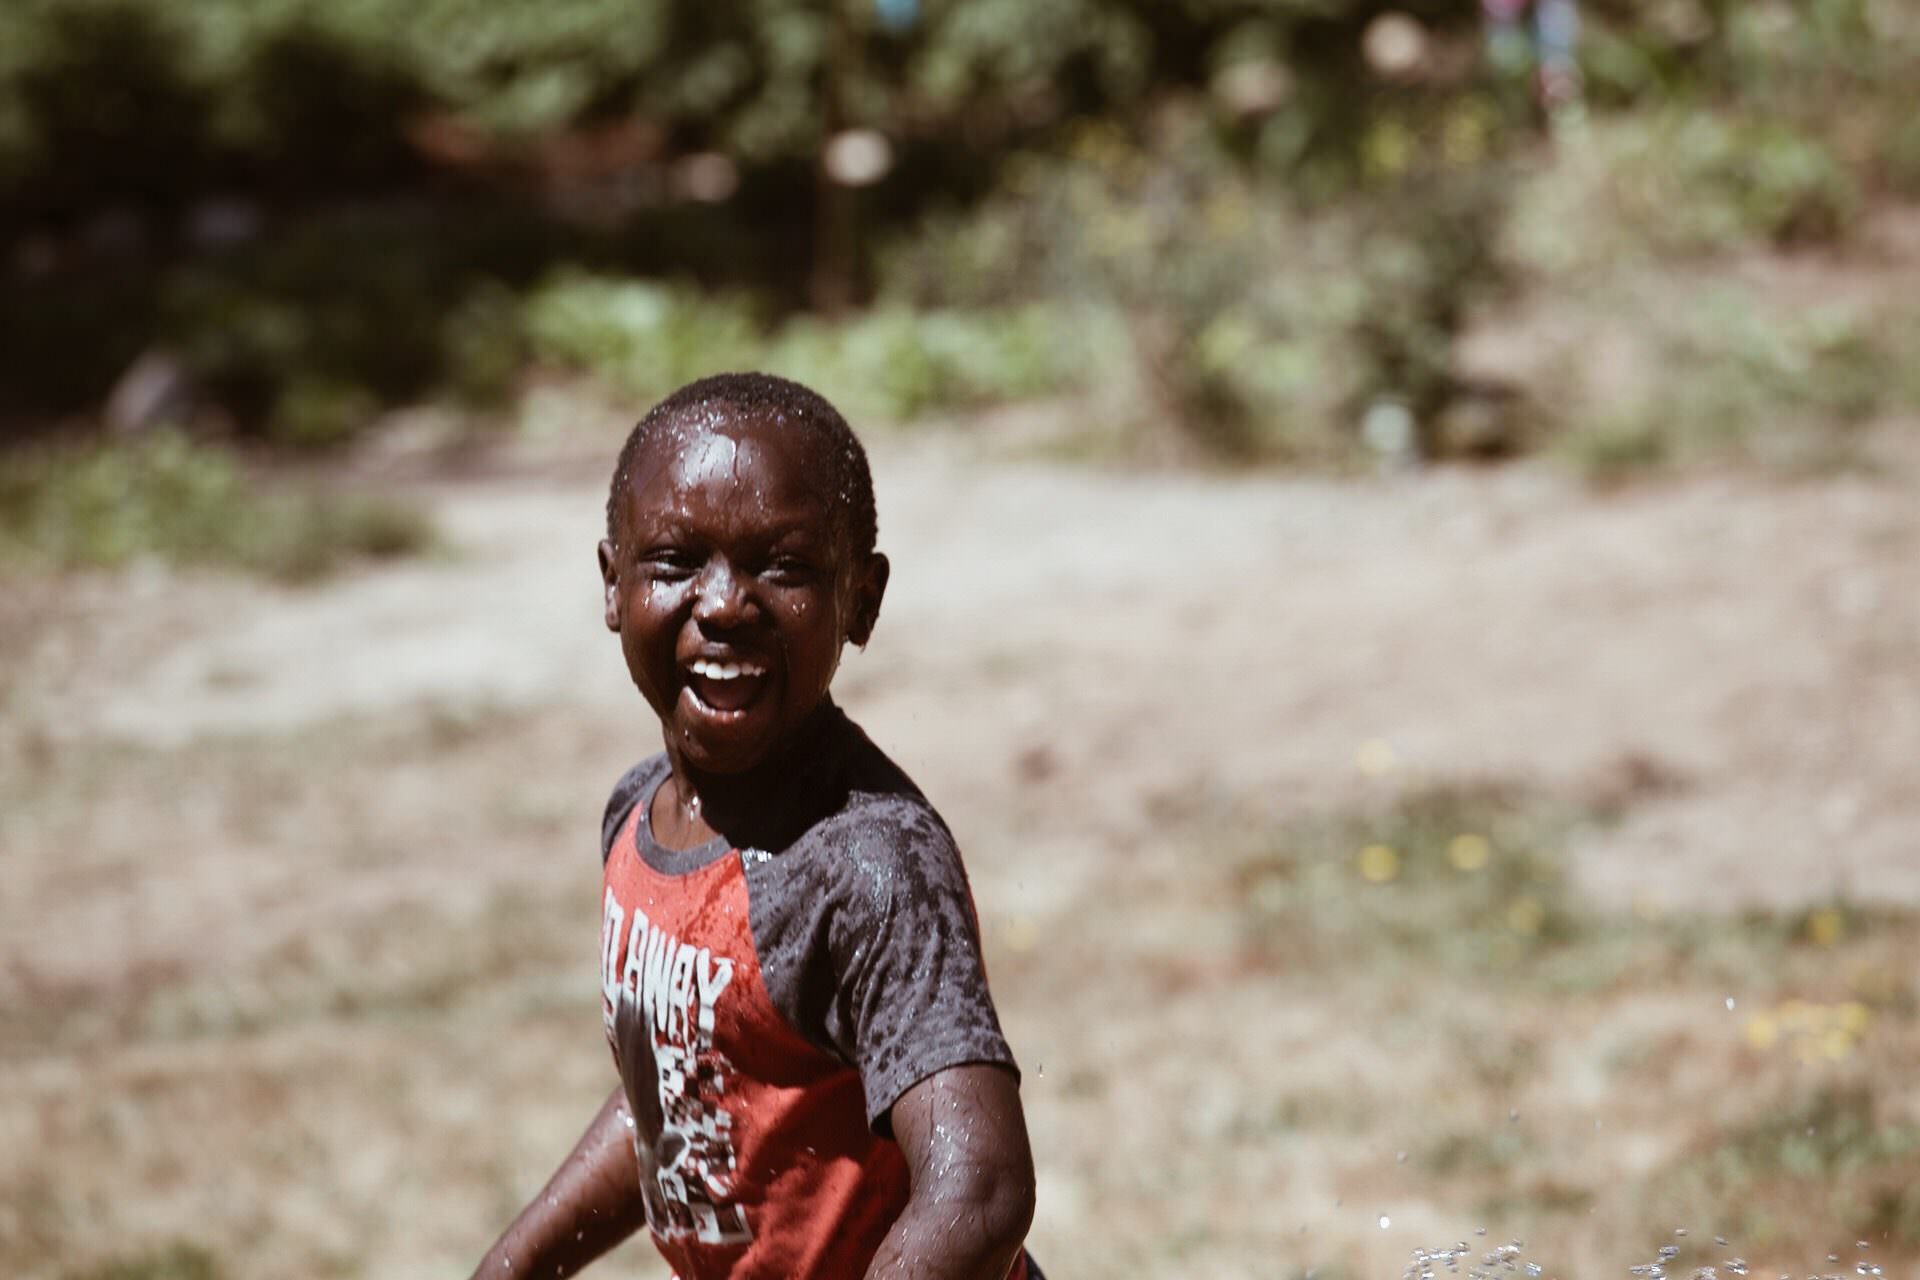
<point x="1733" y="376"/>
<point x="170" y="1262"/>
<point x="1259" y="328"/>
<point x="642" y="339"/>
<point x="176" y="501"/>
<point x="1681" y="183"/>
<point x="325" y="210"/>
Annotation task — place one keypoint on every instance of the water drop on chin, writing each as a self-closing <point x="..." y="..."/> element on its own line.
<point x="1385" y="1222"/>
<point x="1729" y="1004"/>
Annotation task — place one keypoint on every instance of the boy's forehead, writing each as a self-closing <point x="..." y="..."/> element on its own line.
<point x="707" y="448"/>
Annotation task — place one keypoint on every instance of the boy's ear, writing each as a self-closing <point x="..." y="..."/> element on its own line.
<point x="610" y="584"/>
<point x="869" y="591"/>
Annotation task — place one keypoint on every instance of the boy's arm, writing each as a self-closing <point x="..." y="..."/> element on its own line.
<point x="970" y="1196"/>
<point x="591" y="1204"/>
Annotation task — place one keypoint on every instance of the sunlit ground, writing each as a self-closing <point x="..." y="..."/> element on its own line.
<point x="1315" y="953"/>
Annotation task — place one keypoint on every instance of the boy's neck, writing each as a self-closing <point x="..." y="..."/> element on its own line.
<point x="754" y="809"/>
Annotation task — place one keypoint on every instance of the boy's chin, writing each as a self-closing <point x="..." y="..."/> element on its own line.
<point x="723" y="742"/>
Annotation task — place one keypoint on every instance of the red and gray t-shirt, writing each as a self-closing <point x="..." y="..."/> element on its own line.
<point x="766" y="1007"/>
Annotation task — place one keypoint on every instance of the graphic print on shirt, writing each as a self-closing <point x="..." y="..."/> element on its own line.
<point x="684" y="1139"/>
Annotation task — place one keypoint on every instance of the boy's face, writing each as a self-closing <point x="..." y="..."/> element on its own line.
<point x="733" y="587"/>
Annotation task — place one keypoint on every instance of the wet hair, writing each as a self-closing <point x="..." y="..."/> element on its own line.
<point x="763" y="398"/>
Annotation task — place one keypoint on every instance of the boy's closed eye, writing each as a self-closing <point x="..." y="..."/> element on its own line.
<point x="789" y="571"/>
<point x="676" y="564"/>
<point x="670" y="563"/>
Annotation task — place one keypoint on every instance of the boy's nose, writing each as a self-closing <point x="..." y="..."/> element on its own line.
<point x="721" y="600"/>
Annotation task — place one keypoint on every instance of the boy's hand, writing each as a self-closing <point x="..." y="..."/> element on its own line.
<point x="970" y="1200"/>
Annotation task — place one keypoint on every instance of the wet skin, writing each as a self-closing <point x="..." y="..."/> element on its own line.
<point x="733" y="589"/>
<point x="731" y="552"/>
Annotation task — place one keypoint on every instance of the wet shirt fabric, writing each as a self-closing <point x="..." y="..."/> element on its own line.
<point x="766" y="1007"/>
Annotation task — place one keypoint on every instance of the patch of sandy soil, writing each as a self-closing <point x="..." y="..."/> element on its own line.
<point x="1130" y="642"/>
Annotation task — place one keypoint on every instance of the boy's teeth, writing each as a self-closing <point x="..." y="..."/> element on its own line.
<point x="725" y="670"/>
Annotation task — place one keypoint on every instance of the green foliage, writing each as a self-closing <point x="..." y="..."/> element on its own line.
<point x="172" y="1262"/>
<point x="1733" y="377"/>
<point x="1275" y="271"/>
<point x="1834" y="1145"/>
<point x="1683" y="182"/>
<point x="1900" y="156"/>
<point x="1260" y="329"/>
<point x="311" y="333"/>
<point x="1469" y="878"/>
<point x="150" y="101"/>
<point x="642" y="338"/>
<point x="190" y="504"/>
<point x="896" y="363"/>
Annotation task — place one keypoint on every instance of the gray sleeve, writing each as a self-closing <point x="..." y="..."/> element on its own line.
<point x="626" y="793"/>
<point x="871" y="948"/>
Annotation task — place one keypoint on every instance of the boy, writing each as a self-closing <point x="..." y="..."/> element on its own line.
<point x="813" y="1079"/>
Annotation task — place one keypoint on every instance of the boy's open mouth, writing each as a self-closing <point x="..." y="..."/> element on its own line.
<point x="726" y="686"/>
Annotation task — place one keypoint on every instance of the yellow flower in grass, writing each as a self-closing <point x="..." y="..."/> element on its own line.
<point x="1826" y="927"/>
<point x="1816" y="1032"/>
<point x="1526" y="915"/>
<point x="1853" y="1018"/>
<point x="1379" y="864"/>
<point x="1469" y="852"/>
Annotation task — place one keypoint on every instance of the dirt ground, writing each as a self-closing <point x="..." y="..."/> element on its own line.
<point x="297" y="973"/>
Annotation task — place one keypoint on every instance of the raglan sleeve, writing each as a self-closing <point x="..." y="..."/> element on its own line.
<point x="626" y="793"/>
<point x="910" y="993"/>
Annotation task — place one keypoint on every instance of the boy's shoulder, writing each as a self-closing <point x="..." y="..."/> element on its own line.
<point x="635" y="783"/>
<point x="861" y="810"/>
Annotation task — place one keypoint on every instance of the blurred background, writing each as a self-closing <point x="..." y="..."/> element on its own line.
<point x="1405" y="588"/>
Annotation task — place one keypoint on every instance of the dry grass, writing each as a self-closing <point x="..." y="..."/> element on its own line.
<point x="1264" y="1042"/>
<point x="317" y="998"/>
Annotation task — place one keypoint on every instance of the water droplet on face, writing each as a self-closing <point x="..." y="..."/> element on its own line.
<point x="1385" y="1222"/>
<point x="1513" y="1115"/>
<point x="1721" y="1241"/>
<point x="1401" y="1158"/>
<point x="1861" y="1244"/>
<point x="1534" y="1268"/>
<point x="1681" y="1232"/>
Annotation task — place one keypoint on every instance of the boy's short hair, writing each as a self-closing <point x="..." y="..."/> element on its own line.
<point x="765" y="398"/>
